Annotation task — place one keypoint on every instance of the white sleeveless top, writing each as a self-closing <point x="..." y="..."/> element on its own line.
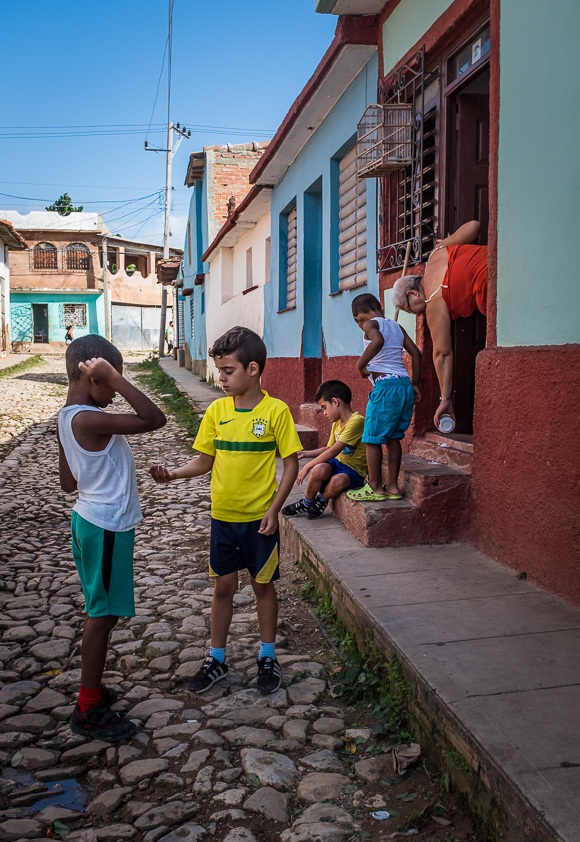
<point x="106" y="479"/>
<point x="389" y="360"/>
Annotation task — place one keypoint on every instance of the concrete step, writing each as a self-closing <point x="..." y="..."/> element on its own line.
<point x="308" y="437"/>
<point x="434" y="509"/>
<point x="453" y="450"/>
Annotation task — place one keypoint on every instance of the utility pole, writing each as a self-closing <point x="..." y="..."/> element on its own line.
<point x="170" y="151"/>
<point x="106" y="290"/>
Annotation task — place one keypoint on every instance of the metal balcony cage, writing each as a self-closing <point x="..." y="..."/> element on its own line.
<point x="384" y="139"/>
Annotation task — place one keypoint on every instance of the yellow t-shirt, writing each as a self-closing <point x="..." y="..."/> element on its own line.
<point x="353" y="455"/>
<point x="244" y="442"/>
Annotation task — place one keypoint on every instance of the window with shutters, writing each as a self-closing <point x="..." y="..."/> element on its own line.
<point x="249" y="269"/>
<point x="352" y="226"/>
<point x="288" y="260"/>
<point x="78" y="257"/>
<point x="44" y="257"/>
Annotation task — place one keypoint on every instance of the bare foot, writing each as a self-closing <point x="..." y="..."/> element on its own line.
<point x="393" y="490"/>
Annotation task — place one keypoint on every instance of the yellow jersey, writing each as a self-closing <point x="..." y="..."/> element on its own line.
<point x="243" y="443"/>
<point x="354" y="454"/>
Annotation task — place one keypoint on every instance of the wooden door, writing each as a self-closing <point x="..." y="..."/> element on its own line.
<point x="473" y="161"/>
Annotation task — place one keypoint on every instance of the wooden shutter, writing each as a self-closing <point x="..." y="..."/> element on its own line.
<point x="291" y="261"/>
<point x="352" y="237"/>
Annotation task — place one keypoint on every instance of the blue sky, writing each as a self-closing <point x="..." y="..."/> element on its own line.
<point x="75" y="64"/>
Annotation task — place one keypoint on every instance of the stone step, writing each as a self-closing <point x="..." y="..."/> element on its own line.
<point x="308" y="437"/>
<point x="456" y="451"/>
<point x="434" y="509"/>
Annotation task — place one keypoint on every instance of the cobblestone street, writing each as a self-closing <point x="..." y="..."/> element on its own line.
<point x="229" y="765"/>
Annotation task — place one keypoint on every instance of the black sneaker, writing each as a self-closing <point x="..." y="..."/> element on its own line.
<point x="101" y="723"/>
<point x="108" y="696"/>
<point x="210" y="671"/>
<point x="317" y="508"/>
<point x="269" y="675"/>
<point x="299" y="508"/>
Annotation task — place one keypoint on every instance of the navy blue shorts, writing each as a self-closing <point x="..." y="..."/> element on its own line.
<point x="239" y="546"/>
<point x="339" y="467"/>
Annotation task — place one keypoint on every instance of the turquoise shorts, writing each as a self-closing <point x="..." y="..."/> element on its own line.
<point x="104" y="561"/>
<point x="389" y="410"/>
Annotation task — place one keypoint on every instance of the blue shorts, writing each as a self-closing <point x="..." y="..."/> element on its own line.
<point x="339" y="467"/>
<point x="389" y="410"/>
<point x="237" y="546"/>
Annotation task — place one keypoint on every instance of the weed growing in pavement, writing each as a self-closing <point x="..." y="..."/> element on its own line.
<point x="20" y="367"/>
<point x="363" y="676"/>
<point x="152" y="375"/>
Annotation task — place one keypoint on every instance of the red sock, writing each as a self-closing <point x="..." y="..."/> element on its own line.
<point x="89" y="697"/>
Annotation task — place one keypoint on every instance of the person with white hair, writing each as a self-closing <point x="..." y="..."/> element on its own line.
<point x="453" y="286"/>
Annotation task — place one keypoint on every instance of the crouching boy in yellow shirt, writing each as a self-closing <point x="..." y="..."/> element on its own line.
<point x="237" y="441"/>
<point x="340" y="465"/>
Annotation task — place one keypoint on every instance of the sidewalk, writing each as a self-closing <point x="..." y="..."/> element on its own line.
<point x="14" y="359"/>
<point x="492" y="662"/>
<point x="200" y="394"/>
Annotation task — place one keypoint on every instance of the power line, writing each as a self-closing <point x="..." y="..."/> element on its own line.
<point x="87" y="202"/>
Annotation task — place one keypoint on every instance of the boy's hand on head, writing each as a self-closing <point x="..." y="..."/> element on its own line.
<point x="269" y="523"/>
<point x="99" y="369"/>
<point x="160" y="473"/>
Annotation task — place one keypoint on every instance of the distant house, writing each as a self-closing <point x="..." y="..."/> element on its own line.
<point x="57" y="281"/>
<point x="9" y="240"/>
<point x="219" y="176"/>
<point x="239" y="269"/>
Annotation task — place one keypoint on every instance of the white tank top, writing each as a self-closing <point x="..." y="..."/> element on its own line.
<point x="106" y="479"/>
<point x="389" y="360"/>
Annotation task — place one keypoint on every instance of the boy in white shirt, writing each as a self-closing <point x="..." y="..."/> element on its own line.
<point x="391" y="402"/>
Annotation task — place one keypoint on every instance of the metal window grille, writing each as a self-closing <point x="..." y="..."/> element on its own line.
<point x="408" y="197"/>
<point x="191" y="313"/>
<point x="43" y="257"/>
<point x="78" y="257"/>
<point x="291" y="261"/>
<point x="352" y="224"/>
<point x="73" y="314"/>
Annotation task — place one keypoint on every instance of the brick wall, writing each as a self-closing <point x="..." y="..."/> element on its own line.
<point x="231" y="171"/>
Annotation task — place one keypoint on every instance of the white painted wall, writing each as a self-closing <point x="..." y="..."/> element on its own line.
<point x="226" y="305"/>
<point x="4" y="294"/>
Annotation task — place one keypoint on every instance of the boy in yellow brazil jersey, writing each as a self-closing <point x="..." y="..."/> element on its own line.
<point x="237" y="441"/>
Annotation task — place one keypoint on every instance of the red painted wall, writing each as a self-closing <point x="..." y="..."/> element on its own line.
<point x="526" y="469"/>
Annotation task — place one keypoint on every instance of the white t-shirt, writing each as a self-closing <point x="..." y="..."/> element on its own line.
<point x="106" y="479"/>
<point x="389" y="360"/>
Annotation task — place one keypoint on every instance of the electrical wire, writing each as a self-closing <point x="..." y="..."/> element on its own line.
<point x="88" y="202"/>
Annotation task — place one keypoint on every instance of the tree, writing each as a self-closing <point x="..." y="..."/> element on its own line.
<point x="64" y="206"/>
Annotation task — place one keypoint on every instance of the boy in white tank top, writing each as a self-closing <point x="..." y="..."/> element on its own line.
<point x="95" y="459"/>
<point x="391" y="402"/>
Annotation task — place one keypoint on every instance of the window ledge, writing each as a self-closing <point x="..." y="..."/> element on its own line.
<point x="249" y="289"/>
<point x="354" y="286"/>
<point x="286" y="310"/>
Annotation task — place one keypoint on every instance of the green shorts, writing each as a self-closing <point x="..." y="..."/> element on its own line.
<point x="104" y="561"/>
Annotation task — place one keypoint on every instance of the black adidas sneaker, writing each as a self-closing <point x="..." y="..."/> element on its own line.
<point x="269" y="675"/>
<point x="318" y="508"/>
<point x="210" y="671"/>
<point x="299" y="508"/>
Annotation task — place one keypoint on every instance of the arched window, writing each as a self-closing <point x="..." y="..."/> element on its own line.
<point x="77" y="256"/>
<point x="45" y="256"/>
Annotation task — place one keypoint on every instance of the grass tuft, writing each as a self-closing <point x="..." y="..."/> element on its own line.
<point x="17" y="368"/>
<point x="150" y="373"/>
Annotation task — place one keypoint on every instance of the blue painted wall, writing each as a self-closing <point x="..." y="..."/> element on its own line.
<point x="195" y="334"/>
<point x="317" y="160"/>
<point x="21" y="314"/>
<point x="538" y="293"/>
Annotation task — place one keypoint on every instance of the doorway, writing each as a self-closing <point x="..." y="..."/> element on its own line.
<point x="468" y="198"/>
<point x="40" y="322"/>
